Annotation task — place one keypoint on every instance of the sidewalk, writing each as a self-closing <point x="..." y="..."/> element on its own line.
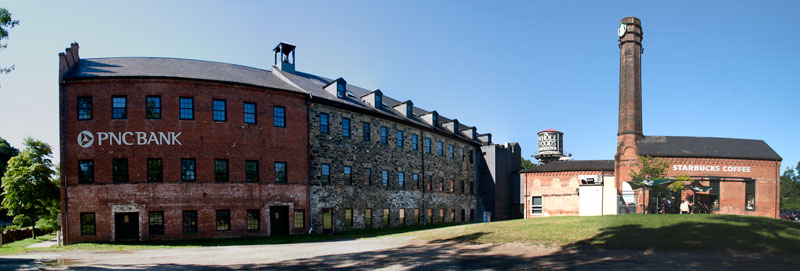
<point x="48" y="243"/>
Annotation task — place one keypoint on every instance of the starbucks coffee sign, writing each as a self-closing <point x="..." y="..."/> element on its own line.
<point x="87" y="139"/>
<point x="710" y="168"/>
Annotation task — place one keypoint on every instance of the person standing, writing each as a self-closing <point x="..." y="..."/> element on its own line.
<point x="685" y="206"/>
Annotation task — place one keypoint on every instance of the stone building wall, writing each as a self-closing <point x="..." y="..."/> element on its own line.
<point x="360" y="192"/>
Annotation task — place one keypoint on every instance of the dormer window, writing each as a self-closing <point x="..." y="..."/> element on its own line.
<point x="378" y="100"/>
<point x="340" y="92"/>
<point x="409" y="110"/>
<point x="435" y="119"/>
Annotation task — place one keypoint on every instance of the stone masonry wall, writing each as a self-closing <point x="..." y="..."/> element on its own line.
<point x="361" y="192"/>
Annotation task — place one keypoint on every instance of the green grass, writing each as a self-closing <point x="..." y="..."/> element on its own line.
<point x="20" y="246"/>
<point x="658" y="232"/>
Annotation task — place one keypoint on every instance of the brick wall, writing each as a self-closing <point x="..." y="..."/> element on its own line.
<point x="201" y="138"/>
<point x="559" y="191"/>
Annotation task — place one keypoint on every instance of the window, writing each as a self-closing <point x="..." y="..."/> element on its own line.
<point x="251" y="171"/>
<point x="368" y="175"/>
<point x="441" y="215"/>
<point x="155" y="222"/>
<point x="452" y="152"/>
<point x="119" y="107"/>
<point x="384" y="139"/>
<point x="155" y="170"/>
<point x="190" y="221"/>
<point x="253" y="220"/>
<point x="415" y="178"/>
<point x="714" y="195"/>
<point x="153" y="107"/>
<point x="221" y="170"/>
<point x="85" y="171"/>
<point x="378" y="100"/>
<point x="470" y="156"/>
<point x="429" y="184"/>
<point x="249" y="113"/>
<point x="326" y="174"/>
<point x="87" y="224"/>
<point x="399" y="139"/>
<point x="223" y="220"/>
<point x="219" y="110"/>
<point x="427" y="145"/>
<point x="299" y="219"/>
<point x="453" y="215"/>
<point x="429" y="216"/>
<point x="279" y="116"/>
<point x="536" y="205"/>
<point x="340" y="90"/>
<point x="416" y="216"/>
<point x="368" y="218"/>
<point x="323" y="123"/>
<point x="402" y="216"/>
<point x="365" y="136"/>
<point x="463" y="187"/>
<point x="385" y="217"/>
<point x="452" y="185"/>
<point x="348" y="217"/>
<point x="471" y="191"/>
<point x="409" y="110"/>
<point x="346" y="127"/>
<point x="414" y="141"/>
<point x="385" y="177"/>
<point x="750" y="195"/>
<point x="187" y="170"/>
<point x="348" y="176"/>
<point x="441" y="184"/>
<point x="441" y="148"/>
<point x="280" y="172"/>
<point x="120" y="170"/>
<point x="401" y="177"/>
<point x="187" y="108"/>
<point x="84" y="108"/>
<point x="462" y="153"/>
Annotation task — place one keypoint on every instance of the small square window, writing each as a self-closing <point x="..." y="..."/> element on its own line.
<point x="119" y="107"/>
<point x="385" y="177"/>
<point x="249" y="113"/>
<point x="186" y="108"/>
<point x="187" y="170"/>
<point x="299" y="219"/>
<point x="441" y="148"/>
<point x="399" y="139"/>
<point x="401" y="179"/>
<point x="120" y="170"/>
<point x="348" y="175"/>
<point x="156" y="222"/>
<point x="414" y="141"/>
<point x="386" y="218"/>
<point x="253" y="220"/>
<point x="221" y="170"/>
<point x="153" y="107"/>
<point x="348" y="217"/>
<point x="85" y="171"/>
<point x="402" y="216"/>
<point x="155" y="170"/>
<point x="345" y="127"/>
<point x="251" y="171"/>
<point x="326" y="174"/>
<point x="190" y="221"/>
<point x="384" y="136"/>
<point x="279" y="116"/>
<point x="368" y="218"/>
<point x="536" y="205"/>
<point x="323" y="123"/>
<point x="365" y="135"/>
<point x="223" y="220"/>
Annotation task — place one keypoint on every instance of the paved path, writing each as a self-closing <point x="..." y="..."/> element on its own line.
<point x="47" y="243"/>
<point x="393" y="253"/>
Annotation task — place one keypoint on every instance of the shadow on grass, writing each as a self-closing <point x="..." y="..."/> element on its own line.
<point x="264" y="240"/>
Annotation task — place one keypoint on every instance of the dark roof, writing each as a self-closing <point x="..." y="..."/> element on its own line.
<point x="576" y="165"/>
<point x="314" y="85"/>
<point x="176" y="68"/>
<point x="707" y="147"/>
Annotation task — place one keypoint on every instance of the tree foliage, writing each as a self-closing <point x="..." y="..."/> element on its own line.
<point x="681" y="183"/>
<point x="650" y="168"/>
<point x="526" y="164"/>
<point x="6" y="152"/>
<point x="6" y="23"/>
<point x="790" y="188"/>
<point x="29" y="190"/>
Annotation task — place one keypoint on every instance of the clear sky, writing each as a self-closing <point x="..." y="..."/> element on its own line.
<point x="710" y="68"/>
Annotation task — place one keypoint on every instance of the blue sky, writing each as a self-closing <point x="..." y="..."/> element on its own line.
<point x="710" y="68"/>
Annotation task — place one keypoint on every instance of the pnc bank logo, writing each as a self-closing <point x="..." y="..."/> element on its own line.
<point x="85" y="139"/>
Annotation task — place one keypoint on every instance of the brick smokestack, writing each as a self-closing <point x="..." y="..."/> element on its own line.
<point x="630" y="98"/>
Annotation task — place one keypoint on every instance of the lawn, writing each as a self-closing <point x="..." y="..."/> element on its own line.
<point x="20" y="246"/>
<point x="659" y="232"/>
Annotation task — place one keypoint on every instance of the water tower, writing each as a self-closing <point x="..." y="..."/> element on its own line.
<point x="551" y="146"/>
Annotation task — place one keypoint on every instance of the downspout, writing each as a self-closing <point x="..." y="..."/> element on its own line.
<point x="62" y="131"/>
<point x="424" y="184"/>
<point x="308" y="149"/>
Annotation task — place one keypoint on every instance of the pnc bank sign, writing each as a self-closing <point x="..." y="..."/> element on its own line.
<point x="86" y="139"/>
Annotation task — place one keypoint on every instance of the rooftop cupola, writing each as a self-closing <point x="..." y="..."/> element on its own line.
<point x="282" y="52"/>
<point x="431" y="118"/>
<point x="451" y="126"/>
<point x="375" y="98"/>
<point x="337" y="87"/>
<point x="470" y="132"/>
<point x="406" y="108"/>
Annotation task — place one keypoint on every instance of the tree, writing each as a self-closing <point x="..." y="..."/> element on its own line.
<point x="650" y="168"/>
<point x="526" y="164"/>
<point x="29" y="192"/>
<point x="6" y="23"/>
<point x="790" y="188"/>
<point x="6" y="152"/>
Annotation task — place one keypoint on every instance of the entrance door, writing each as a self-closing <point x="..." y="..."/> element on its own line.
<point x="126" y="226"/>
<point x="327" y="223"/>
<point x="279" y="220"/>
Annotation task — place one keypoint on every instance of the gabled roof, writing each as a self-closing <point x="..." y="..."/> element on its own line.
<point x="314" y="85"/>
<point x="575" y="165"/>
<point x="175" y="68"/>
<point x="706" y="147"/>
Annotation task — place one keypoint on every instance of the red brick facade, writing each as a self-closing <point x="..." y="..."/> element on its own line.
<point x="559" y="191"/>
<point x="201" y="139"/>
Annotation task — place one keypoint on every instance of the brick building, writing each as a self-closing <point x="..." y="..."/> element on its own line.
<point x="743" y="174"/>
<point x="162" y="148"/>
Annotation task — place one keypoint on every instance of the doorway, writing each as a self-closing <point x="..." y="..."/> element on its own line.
<point x="126" y="226"/>
<point x="279" y="220"/>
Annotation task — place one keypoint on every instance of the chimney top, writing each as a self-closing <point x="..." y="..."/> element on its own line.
<point x="284" y="50"/>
